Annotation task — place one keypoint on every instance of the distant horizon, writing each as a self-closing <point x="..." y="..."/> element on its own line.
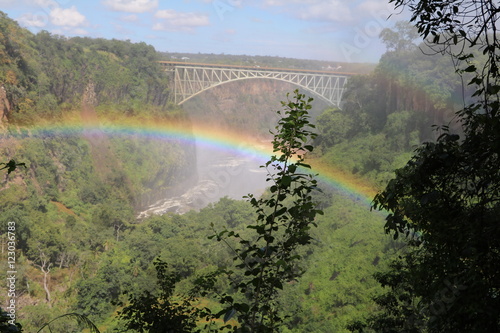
<point x="321" y="30"/>
<point x="271" y="56"/>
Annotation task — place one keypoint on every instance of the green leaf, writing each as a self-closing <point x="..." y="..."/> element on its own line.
<point x="242" y="307"/>
<point x="304" y="165"/>
<point x="309" y="148"/>
<point x="281" y="211"/>
<point x="286" y="181"/>
<point x="469" y="69"/>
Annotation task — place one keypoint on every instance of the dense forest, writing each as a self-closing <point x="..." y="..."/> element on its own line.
<point x="81" y="249"/>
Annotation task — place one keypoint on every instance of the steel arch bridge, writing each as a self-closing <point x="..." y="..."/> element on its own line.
<point x="190" y="79"/>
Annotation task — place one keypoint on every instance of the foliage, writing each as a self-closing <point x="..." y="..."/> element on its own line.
<point x="402" y="39"/>
<point x="337" y="286"/>
<point x="79" y="212"/>
<point x="45" y="75"/>
<point x="81" y="320"/>
<point x="375" y="156"/>
<point x="386" y="114"/>
<point x="6" y="325"/>
<point x="446" y="199"/>
<point x="334" y="127"/>
<point x="68" y="216"/>
<point x="157" y="313"/>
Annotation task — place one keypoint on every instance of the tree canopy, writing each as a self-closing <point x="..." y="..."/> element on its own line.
<point x="446" y="200"/>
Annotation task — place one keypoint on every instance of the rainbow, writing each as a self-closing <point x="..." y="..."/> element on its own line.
<point x="238" y="143"/>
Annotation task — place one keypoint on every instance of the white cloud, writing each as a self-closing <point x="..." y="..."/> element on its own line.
<point x="30" y="20"/>
<point x="67" y="17"/>
<point x="178" y="21"/>
<point x="132" y="6"/>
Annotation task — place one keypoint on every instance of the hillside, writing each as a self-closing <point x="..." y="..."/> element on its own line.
<point x="91" y="118"/>
<point x="83" y="182"/>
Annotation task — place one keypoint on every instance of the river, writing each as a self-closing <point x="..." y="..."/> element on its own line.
<point x="220" y="173"/>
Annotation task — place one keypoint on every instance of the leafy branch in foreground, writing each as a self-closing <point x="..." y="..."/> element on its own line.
<point x="8" y="324"/>
<point x="284" y="219"/>
<point x="81" y="320"/>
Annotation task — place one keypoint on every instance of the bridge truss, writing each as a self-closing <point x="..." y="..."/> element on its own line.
<point x="192" y="79"/>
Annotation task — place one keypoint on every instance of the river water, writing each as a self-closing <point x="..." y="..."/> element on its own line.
<point x="220" y="173"/>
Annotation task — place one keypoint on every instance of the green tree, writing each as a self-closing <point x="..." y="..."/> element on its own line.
<point x="400" y="39"/>
<point x="97" y="294"/>
<point x="446" y="200"/>
<point x="334" y="126"/>
<point x="161" y="312"/>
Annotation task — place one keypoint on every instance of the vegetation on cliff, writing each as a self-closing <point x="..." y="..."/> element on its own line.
<point x="80" y="247"/>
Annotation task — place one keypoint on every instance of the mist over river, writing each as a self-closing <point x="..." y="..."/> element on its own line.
<point x="247" y="108"/>
<point x="219" y="173"/>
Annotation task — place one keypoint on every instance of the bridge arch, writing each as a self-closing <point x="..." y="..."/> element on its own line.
<point x="259" y="78"/>
<point x="193" y="79"/>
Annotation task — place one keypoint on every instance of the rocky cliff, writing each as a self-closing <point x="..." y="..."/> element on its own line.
<point x="247" y="105"/>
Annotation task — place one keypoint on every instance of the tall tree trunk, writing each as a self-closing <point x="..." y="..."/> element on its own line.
<point x="45" y="268"/>
<point x="46" y="284"/>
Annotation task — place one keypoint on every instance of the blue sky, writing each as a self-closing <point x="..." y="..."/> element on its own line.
<point x="332" y="30"/>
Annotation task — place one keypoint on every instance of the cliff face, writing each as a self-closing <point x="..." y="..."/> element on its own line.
<point x="247" y="105"/>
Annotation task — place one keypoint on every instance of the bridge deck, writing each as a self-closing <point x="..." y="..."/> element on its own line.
<point x="172" y="64"/>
